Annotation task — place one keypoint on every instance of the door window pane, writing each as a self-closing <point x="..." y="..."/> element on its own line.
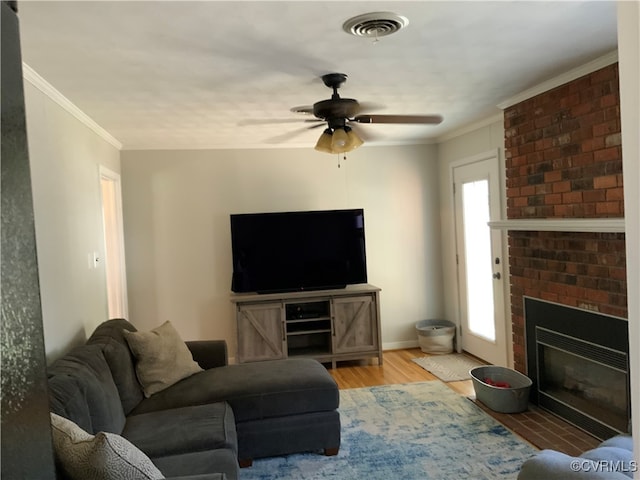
<point x="477" y="241"/>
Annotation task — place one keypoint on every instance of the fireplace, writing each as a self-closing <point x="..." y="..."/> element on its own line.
<point x="578" y="362"/>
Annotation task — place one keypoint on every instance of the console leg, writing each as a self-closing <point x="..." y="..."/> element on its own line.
<point x="245" y="462"/>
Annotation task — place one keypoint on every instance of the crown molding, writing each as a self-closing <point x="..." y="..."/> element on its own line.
<point x="581" y="71"/>
<point x="305" y="146"/>
<point x="470" y="127"/>
<point x="30" y="75"/>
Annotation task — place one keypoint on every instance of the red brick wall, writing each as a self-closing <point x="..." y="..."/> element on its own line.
<point x="584" y="270"/>
<point x="563" y="151"/>
<point x="564" y="160"/>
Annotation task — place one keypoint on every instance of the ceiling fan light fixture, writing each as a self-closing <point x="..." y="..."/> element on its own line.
<point x="324" y="142"/>
<point x="339" y="113"/>
<point x="339" y="140"/>
<point x="353" y="140"/>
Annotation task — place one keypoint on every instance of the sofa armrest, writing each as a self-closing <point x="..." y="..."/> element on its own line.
<point x="209" y="353"/>
<point x="553" y="465"/>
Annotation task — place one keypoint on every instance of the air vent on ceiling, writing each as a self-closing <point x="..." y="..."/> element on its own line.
<point x="376" y="24"/>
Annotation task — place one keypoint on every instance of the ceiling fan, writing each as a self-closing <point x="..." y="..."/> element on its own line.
<point x="341" y="114"/>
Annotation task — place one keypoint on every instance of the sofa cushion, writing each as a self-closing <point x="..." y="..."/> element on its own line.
<point x="612" y="456"/>
<point x="553" y="465"/>
<point x="288" y="434"/>
<point x="162" y="358"/>
<point x="619" y="441"/>
<point x="199" y="463"/>
<point x="92" y="390"/>
<point x="254" y="390"/>
<point x="103" y="456"/>
<point x="183" y="430"/>
<point x="110" y="335"/>
<point x="611" y="460"/>
<point x="67" y="398"/>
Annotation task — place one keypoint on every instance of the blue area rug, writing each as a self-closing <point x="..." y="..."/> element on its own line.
<point x="416" y="431"/>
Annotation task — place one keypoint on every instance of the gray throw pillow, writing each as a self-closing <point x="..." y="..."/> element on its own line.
<point x="162" y="358"/>
<point x="104" y="456"/>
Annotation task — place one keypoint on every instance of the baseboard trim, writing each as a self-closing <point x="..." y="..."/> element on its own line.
<point x="400" y="345"/>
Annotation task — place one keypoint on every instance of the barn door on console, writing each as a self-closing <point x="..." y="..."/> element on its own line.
<point x="260" y="332"/>
<point x="354" y="324"/>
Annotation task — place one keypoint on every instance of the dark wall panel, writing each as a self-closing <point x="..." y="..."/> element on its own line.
<point x="26" y="432"/>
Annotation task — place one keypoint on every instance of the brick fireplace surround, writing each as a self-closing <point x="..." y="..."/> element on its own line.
<point x="564" y="160"/>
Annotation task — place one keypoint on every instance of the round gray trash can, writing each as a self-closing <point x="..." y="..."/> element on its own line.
<point x="435" y="336"/>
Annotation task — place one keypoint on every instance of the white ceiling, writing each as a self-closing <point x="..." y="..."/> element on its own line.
<point x="178" y="74"/>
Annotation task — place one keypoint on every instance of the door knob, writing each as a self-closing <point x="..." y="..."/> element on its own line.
<point x="496" y="275"/>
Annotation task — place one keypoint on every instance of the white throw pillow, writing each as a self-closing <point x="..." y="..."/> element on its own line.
<point x="162" y="358"/>
<point x="104" y="456"/>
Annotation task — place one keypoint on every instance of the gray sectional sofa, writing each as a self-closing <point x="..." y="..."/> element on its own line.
<point x="611" y="460"/>
<point x="205" y="425"/>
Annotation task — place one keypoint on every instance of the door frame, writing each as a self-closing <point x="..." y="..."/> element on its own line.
<point x="506" y="306"/>
<point x="115" y="177"/>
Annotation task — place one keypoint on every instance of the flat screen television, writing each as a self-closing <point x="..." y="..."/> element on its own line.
<point x="294" y="251"/>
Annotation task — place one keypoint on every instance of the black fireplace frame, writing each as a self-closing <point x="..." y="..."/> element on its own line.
<point x="577" y="323"/>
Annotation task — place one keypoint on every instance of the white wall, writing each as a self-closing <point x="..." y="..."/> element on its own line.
<point x="64" y="156"/>
<point x="629" y="64"/>
<point x="176" y="215"/>
<point x="484" y="139"/>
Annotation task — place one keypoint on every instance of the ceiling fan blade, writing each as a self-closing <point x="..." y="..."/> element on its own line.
<point x="370" y="107"/>
<point x="305" y="109"/>
<point x="287" y="136"/>
<point x="419" y="119"/>
<point x="364" y="135"/>
<point x="274" y="121"/>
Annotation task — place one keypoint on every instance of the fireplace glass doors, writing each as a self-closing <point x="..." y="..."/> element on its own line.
<point x="597" y="390"/>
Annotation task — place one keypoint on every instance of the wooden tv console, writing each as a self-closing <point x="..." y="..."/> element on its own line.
<point x="328" y="325"/>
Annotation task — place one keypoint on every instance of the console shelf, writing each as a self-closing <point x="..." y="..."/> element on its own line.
<point x="307" y="332"/>
<point x="328" y="325"/>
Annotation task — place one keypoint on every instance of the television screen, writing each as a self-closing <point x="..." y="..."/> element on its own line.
<point x="290" y="251"/>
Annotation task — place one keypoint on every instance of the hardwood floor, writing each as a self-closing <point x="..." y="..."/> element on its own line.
<point x="397" y="367"/>
<point x="537" y="426"/>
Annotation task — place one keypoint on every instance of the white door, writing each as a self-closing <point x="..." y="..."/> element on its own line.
<point x="479" y="258"/>
<point x="114" y="243"/>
